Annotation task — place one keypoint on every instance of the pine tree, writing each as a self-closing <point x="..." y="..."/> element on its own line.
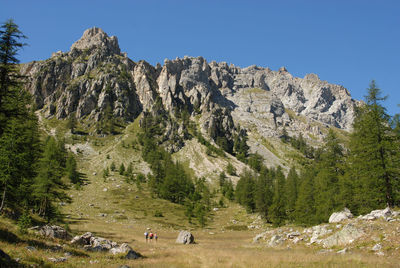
<point x="244" y="192"/>
<point x="72" y="173"/>
<point x="277" y="211"/>
<point x="10" y="79"/>
<point x="374" y="155"/>
<point x="291" y="192"/>
<point x="263" y="192"/>
<point x="121" y="169"/>
<point x="48" y="186"/>
<point x="329" y="170"/>
<point x="305" y="204"/>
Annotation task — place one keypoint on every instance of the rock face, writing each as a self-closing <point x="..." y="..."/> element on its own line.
<point x="340" y="216"/>
<point x="185" y="238"/>
<point x="94" y="81"/>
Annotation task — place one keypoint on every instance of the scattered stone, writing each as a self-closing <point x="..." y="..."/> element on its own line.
<point x="343" y="251"/>
<point x="297" y="240"/>
<point x="124" y="266"/>
<point x="185" y="237"/>
<point x="105" y="190"/>
<point x="380" y="253"/>
<point x="54" y="231"/>
<point x="345" y="214"/>
<point x="377" y="247"/>
<point x="67" y="254"/>
<point x="83" y="239"/>
<point x="91" y="205"/>
<point x="58" y="260"/>
<point x="215" y="209"/>
<point x="93" y="261"/>
<point x="30" y="248"/>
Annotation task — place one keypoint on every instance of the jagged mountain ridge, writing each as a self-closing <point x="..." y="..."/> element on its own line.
<point x="95" y="75"/>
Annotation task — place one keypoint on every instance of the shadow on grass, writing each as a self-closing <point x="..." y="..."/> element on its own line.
<point x="8" y="236"/>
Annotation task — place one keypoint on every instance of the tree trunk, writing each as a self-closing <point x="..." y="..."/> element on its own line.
<point x="3" y="198"/>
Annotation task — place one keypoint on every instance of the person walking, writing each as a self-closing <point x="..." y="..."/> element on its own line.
<point x="146" y="235"/>
<point x="155" y="237"/>
<point x="151" y="236"/>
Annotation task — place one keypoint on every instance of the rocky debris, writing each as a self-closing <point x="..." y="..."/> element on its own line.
<point x="185" y="237"/>
<point x="82" y="239"/>
<point x="345" y="214"/>
<point x="54" y="231"/>
<point x="386" y="214"/>
<point x="293" y="235"/>
<point x="343" y="237"/>
<point x="317" y="232"/>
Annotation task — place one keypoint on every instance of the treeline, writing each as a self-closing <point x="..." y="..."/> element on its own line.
<point x="31" y="170"/>
<point x="362" y="178"/>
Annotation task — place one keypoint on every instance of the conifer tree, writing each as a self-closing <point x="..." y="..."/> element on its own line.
<point x="374" y="155"/>
<point x="48" y="186"/>
<point x="291" y="192"/>
<point x="72" y="173"/>
<point x="329" y="170"/>
<point x="277" y="211"/>
<point x="305" y="204"/>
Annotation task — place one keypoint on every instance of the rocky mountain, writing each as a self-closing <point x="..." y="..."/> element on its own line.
<point x="94" y="78"/>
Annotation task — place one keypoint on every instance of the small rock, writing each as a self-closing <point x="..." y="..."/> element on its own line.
<point x="215" y="209"/>
<point x="380" y="253"/>
<point x="57" y="260"/>
<point x="377" y="247"/>
<point x="124" y="266"/>
<point x="93" y="261"/>
<point x="91" y="205"/>
<point x="67" y="254"/>
<point x="105" y="190"/>
<point x="30" y="248"/>
<point x="343" y="251"/>
<point x="293" y="235"/>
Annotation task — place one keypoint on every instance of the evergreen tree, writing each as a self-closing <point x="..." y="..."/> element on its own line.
<point x="374" y="155"/>
<point x="277" y="211"/>
<point x="263" y="192"/>
<point x="305" y="204"/>
<point x="10" y="79"/>
<point x="244" y="192"/>
<point x="72" y="173"/>
<point x="329" y="170"/>
<point x="291" y="193"/>
<point x="121" y="169"/>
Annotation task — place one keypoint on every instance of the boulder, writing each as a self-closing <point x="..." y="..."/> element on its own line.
<point x="132" y="255"/>
<point x="345" y="214"/>
<point x="343" y="237"/>
<point x="83" y="239"/>
<point x="123" y="248"/>
<point x="185" y="237"/>
<point x="54" y="231"/>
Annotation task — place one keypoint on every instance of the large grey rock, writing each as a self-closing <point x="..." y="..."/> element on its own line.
<point x="343" y="237"/>
<point x="82" y="239"/>
<point x="345" y="214"/>
<point x="54" y="231"/>
<point x="132" y="255"/>
<point x="123" y="248"/>
<point x="276" y="240"/>
<point x="185" y="237"/>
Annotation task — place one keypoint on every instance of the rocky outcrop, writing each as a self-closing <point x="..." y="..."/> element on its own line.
<point x="386" y="214"/>
<point x="185" y="238"/>
<point x="340" y="216"/>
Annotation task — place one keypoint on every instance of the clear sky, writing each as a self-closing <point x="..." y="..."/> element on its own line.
<point x="346" y="42"/>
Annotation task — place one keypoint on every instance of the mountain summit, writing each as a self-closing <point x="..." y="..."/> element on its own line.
<point x="94" y="80"/>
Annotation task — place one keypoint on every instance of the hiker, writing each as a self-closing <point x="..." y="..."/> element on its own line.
<point x="155" y="237"/>
<point x="151" y="236"/>
<point x="146" y="235"/>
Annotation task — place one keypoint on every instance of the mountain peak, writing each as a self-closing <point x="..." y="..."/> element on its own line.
<point x="96" y="38"/>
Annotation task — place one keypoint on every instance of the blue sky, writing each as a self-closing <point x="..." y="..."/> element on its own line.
<point x="344" y="42"/>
